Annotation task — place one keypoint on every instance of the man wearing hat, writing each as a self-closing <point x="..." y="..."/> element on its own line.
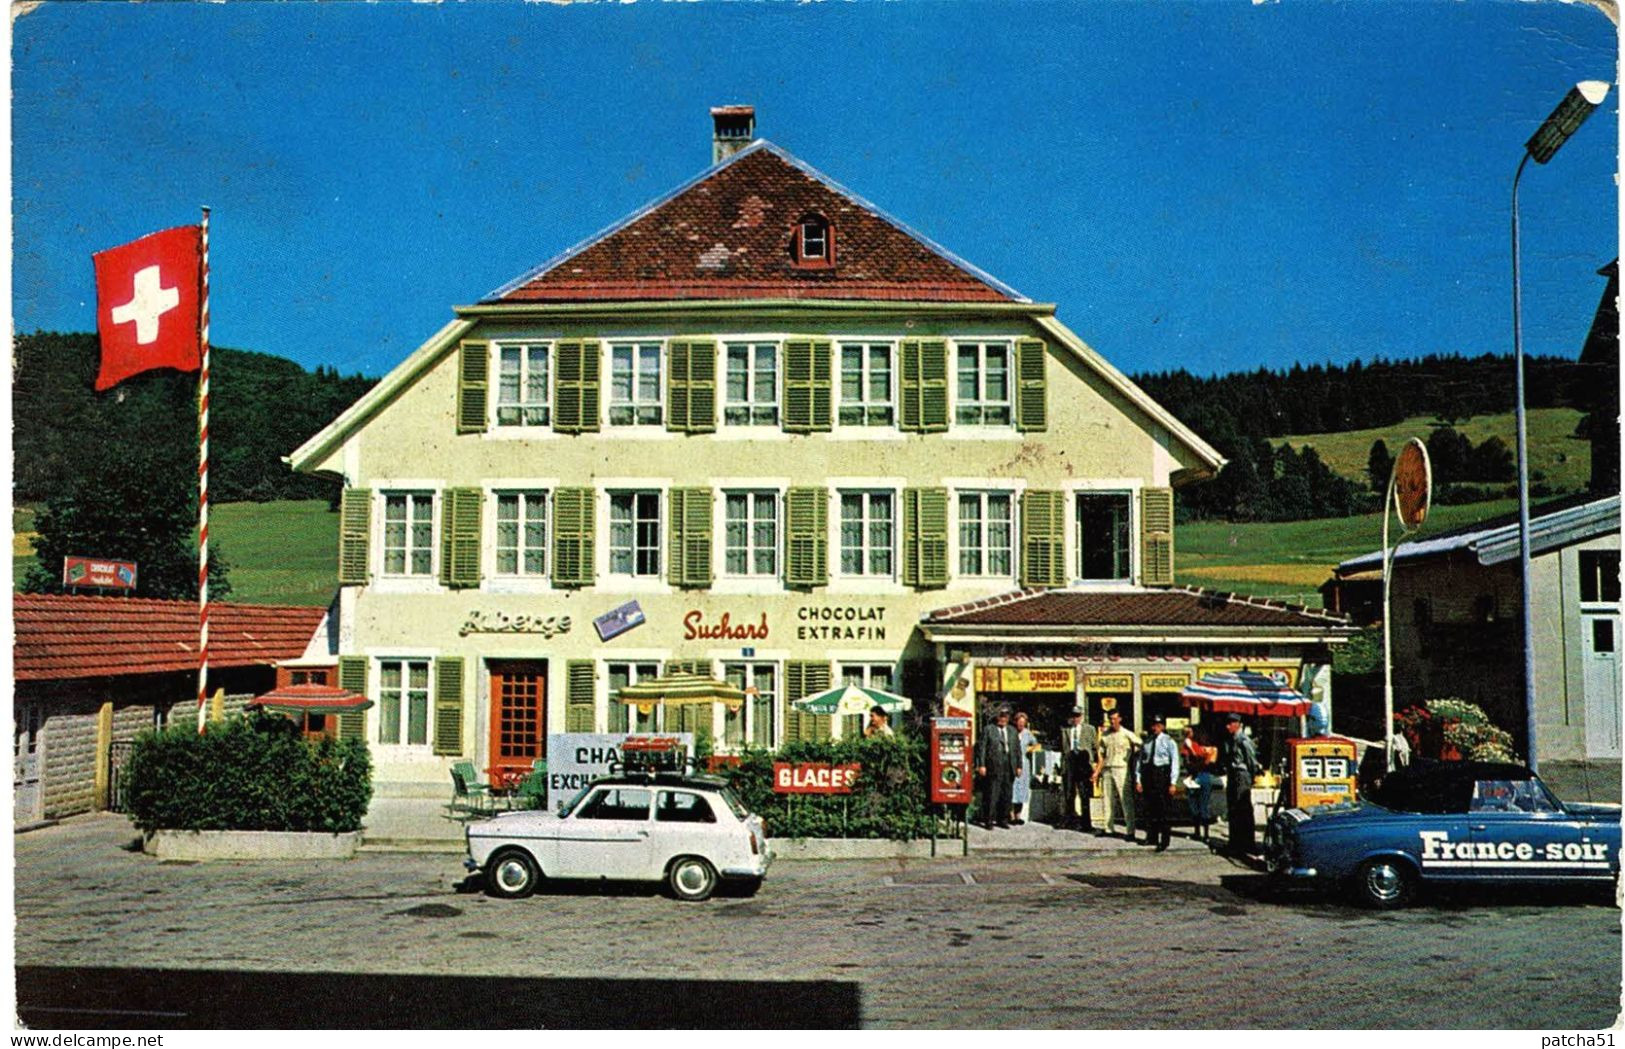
<point x="1077" y="766"/>
<point x="1154" y="781"/>
<point x="998" y="756"/>
<point x="1238" y="758"/>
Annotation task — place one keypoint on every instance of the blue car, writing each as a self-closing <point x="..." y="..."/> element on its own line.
<point x="1461" y="822"/>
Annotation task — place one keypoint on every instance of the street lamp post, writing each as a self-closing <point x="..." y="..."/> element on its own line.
<point x="1564" y="121"/>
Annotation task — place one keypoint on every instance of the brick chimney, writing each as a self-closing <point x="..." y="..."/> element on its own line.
<point x="732" y="129"/>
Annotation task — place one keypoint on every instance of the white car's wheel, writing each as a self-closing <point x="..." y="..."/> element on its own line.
<point x="691" y="878"/>
<point x="511" y="874"/>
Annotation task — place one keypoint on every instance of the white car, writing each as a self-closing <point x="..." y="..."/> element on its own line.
<point x="689" y="831"/>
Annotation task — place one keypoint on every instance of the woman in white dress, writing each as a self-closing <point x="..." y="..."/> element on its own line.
<point x="1022" y="789"/>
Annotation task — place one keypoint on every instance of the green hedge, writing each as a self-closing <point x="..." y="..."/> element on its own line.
<point x="253" y="772"/>
<point x="889" y="799"/>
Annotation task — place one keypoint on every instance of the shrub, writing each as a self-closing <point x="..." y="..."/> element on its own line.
<point x="888" y="800"/>
<point x="250" y="772"/>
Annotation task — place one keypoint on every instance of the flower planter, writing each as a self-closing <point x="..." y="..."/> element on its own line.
<point x="249" y="845"/>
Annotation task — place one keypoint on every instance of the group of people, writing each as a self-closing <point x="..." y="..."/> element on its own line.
<point x="1132" y="773"/>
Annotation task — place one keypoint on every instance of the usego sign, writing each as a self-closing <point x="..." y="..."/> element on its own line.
<point x="813" y="777"/>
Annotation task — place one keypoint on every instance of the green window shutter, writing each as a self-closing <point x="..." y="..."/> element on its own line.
<point x="448" y="705"/>
<point x="353" y="678"/>
<point x="689" y="558"/>
<point x="933" y="386"/>
<point x="691" y="387"/>
<point x="575" y="387"/>
<point x="702" y="387"/>
<point x="908" y="386"/>
<point x="677" y="386"/>
<point x="807" y="385"/>
<point x="1031" y="409"/>
<point x="1043" y="538"/>
<point x="460" y="537"/>
<point x="806" y="537"/>
<point x="1157" y="537"/>
<point x="355" y="531"/>
<point x="573" y="528"/>
<point x="925" y="537"/>
<point x="578" y="695"/>
<point x="804" y="678"/>
<point x="473" y="366"/>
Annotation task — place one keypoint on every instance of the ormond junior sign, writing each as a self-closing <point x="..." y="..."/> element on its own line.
<point x="813" y="777"/>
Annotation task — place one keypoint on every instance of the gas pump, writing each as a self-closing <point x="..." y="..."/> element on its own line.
<point x="1320" y="771"/>
<point x="950" y="761"/>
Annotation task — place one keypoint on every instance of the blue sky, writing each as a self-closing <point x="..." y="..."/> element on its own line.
<point x="1211" y="185"/>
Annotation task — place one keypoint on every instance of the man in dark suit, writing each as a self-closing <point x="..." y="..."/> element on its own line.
<point x="998" y="756"/>
<point x="1155" y="774"/>
<point x="1077" y="772"/>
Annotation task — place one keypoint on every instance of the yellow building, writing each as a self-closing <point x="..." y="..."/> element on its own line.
<point x="765" y="430"/>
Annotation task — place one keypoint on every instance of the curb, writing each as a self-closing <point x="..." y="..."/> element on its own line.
<point x="249" y="845"/>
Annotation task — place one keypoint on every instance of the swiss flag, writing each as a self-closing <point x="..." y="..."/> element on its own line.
<point x="147" y="302"/>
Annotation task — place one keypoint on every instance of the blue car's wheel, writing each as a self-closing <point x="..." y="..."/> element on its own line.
<point x="1385" y="883"/>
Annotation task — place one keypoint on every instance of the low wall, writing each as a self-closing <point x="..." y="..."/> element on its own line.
<point x="249" y="845"/>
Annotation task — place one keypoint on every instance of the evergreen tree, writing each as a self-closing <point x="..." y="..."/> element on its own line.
<point x="1378" y="465"/>
<point x="131" y="496"/>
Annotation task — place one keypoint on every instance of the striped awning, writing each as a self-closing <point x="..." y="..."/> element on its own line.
<point x="1245" y="692"/>
<point x="852" y="699"/>
<point x="311" y="699"/>
<point x="681" y="687"/>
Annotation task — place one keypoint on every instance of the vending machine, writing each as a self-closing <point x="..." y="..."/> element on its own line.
<point x="951" y="761"/>
<point x="1320" y="771"/>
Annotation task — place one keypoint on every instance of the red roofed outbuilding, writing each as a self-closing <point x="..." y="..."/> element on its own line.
<point x="91" y="672"/>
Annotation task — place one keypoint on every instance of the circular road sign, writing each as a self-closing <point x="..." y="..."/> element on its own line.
<point x="1413" y="484"/>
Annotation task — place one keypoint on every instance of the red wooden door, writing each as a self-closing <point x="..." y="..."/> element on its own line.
<point x="518" y="714"/>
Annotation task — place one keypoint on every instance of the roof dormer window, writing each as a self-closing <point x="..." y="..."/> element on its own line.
<point x="814" y="242"/>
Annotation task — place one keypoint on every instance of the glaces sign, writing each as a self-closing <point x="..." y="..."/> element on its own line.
<point x="813" y="777"/>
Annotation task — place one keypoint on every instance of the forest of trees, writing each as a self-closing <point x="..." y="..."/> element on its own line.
<point x="260" y="408"/>
<point x="1240" y="412"/>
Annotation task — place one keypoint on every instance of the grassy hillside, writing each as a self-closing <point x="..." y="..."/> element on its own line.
<point x="1289" y="560"/>
<point x="281" y="553"/>
<point x="1554" y="451"/>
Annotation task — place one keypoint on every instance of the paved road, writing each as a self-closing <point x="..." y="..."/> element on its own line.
<point x="1094" y="941"/>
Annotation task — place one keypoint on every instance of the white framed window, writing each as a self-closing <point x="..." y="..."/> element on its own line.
<point x="1599" y="577"/>
<point x="752" y="394"/>
<point x="863" y="675"/>
<point x="521" y="540"/>
<point x="625" y="717"/>
<point x="1104" y="532"/>
<point x="634" y="533"/>
<point x="634" y="384"/>
<point x="983" y="391"/>
<point x="403" y="702"/>
<point x="408" y="533"/>
<point x="868" y="533"/>
<point x="986" y="533"/>
<point x="522" y="384"/>
<point x="750" y="533"/>
<point x="752" y="721"/>
<point x="866" y="384"/>
<point x="814" y="238"/>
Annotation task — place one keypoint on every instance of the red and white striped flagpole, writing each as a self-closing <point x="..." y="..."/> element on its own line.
<point x="203" y="482"/>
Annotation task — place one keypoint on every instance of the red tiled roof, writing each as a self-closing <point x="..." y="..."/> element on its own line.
<point x="728" y="235"/>
<point x="64" y="636"/>
<point x="1177" y="607"/>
